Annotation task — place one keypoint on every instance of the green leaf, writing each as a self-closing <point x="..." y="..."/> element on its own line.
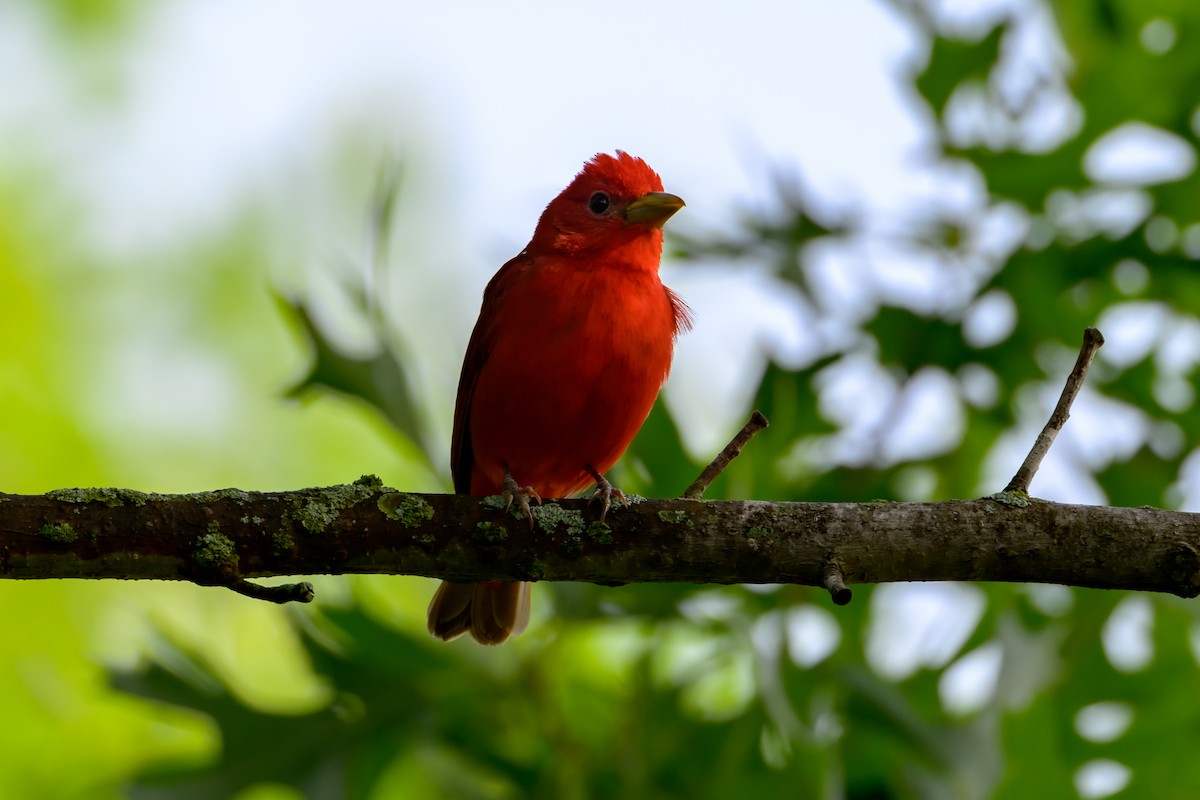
<point x="953" y="62"/>
<point x="379" y="380"/>
<point x="656" y="464"/>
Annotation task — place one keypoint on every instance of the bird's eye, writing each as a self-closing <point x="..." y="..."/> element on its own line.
<point x="598" y="203"/>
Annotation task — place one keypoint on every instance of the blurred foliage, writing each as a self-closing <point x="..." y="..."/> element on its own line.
<point x="379" y="378"/>
<point x="92" y="19"/>
<point x="676" y="690"/>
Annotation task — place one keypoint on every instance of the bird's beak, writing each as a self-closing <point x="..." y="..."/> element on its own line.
<point x="653" y="209"/>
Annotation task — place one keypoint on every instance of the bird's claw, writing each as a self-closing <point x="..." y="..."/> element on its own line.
<point x="606" y="492"/>
<point x="522" y="494"/>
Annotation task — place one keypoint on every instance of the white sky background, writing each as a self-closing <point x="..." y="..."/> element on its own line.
<point x="507" y="101"/>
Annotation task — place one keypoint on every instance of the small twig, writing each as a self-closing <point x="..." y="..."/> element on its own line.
<point x="284" y="593"/>
<point x="732" y="450"/>
<point x="1092" y="340"/>
<point x="835" y="582"/>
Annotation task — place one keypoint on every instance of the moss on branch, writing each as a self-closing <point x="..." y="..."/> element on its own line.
<point x="227" y="535"/>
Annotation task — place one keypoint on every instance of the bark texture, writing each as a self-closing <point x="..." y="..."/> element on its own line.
<point x="217" y="538"/>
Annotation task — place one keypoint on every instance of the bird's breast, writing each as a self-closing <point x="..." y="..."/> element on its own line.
<point x="576" y="362"/>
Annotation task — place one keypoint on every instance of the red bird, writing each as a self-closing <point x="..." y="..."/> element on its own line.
<point x="572" y="344"/>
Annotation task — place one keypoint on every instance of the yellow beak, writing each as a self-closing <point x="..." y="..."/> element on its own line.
<point x="653" y="209"/>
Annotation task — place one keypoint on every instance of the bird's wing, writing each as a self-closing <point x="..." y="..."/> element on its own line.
<point x="462" y="454"/>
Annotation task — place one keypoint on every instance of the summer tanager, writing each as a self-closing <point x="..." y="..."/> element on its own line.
<point x="572" y="344"/>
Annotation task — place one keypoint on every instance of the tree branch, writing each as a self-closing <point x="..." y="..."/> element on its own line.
<point x="732" y="450"/>
<point x="223" y="537"/>
<point x="1093" y="340"/>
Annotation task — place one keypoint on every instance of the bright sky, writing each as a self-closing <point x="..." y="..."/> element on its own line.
<point x="509" y="99"/>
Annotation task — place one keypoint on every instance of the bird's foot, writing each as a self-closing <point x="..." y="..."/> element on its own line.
<point x="522" y="494"/>
<point x="605" y="492"/>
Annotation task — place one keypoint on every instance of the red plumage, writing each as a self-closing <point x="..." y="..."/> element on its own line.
<point x="573" y="342"/>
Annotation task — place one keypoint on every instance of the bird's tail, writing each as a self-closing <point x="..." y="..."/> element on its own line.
<point x="490" y="611"/>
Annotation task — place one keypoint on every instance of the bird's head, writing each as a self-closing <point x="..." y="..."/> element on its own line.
<point x="615" y="201"/>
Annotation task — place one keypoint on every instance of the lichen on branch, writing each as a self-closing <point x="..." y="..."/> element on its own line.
<point x="223" y="537"/>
